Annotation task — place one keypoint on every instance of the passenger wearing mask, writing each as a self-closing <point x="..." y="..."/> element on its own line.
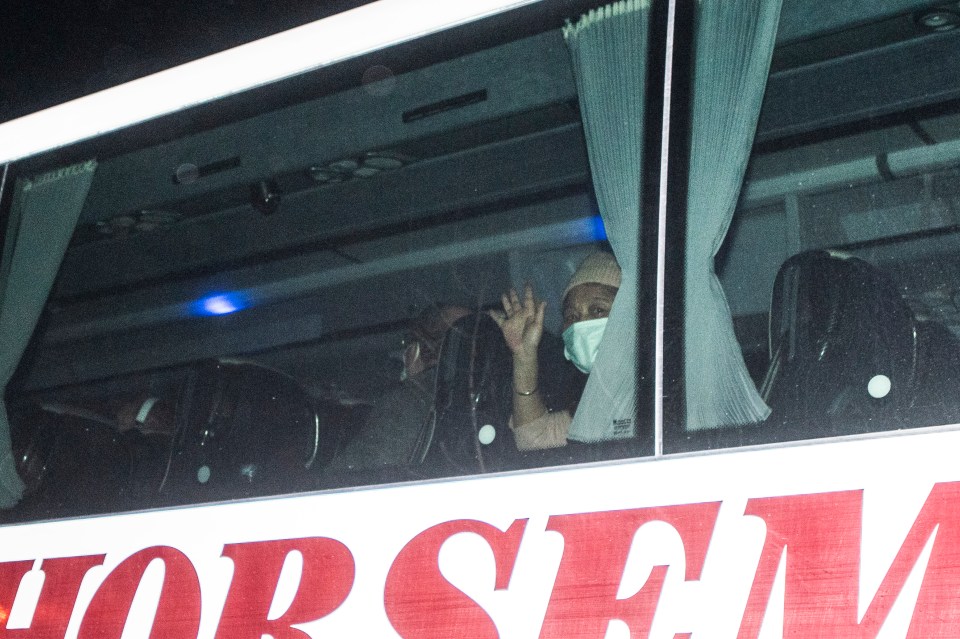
<point x="391" y="433"/>
<point x="587" y="300"/>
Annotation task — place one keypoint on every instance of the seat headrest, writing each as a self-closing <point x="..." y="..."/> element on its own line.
<point x="837" y="325"/>
<point x="824" y="301"/>
<point x="470" y="337"/>
<point x="472" y="400"/>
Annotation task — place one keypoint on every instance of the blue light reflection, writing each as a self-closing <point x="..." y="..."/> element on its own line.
<point x="219" y="304"/>
<point x="598" y="232"/>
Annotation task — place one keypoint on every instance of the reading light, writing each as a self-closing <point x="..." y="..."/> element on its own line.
<point x="937" y="19"/>
<point x="365" y="166"/>
<point x="137" y="222"/>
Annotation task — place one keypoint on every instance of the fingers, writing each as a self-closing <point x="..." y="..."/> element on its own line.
<point x="528" y="301"/>
<point x="513" y="304"/>
<point x="538" y="316"/>
<point x="498" y="316"/>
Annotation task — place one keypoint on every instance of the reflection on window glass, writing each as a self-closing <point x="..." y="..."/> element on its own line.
<point x="834" y="310"/>
<point x="411" y="278"/>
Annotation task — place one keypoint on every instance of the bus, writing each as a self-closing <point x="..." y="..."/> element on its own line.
<point x="268" y="321"/>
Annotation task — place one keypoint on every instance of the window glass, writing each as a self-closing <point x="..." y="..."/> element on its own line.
<point x="319" y="294"/>
<point x="823" y="302"/>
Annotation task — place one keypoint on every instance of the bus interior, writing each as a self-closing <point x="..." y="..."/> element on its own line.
<point x="235" y="295"/>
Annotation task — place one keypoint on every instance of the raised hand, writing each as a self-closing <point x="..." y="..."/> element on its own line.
<point x="521" y="322"/>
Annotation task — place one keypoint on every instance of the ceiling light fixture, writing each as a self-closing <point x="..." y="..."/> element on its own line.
<point x="937" y="19"/>
<point x="366" y="166"/>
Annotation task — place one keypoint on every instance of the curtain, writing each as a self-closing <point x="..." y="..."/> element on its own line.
<point x="734" y="44"/>
<point x="43" y="215"/>
<point x="608" y="48"/>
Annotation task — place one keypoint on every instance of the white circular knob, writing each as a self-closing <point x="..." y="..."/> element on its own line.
<point x="879" y="386"/>
<point x="487" y="434"/>
<point x="203" y="474"/>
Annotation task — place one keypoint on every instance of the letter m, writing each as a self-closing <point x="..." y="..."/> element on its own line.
<point x="821" y="534"/>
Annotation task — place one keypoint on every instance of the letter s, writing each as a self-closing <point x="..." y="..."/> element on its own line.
<point x="422" y="604"/>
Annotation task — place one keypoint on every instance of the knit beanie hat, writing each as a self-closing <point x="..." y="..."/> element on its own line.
<point x="598" y="268"/>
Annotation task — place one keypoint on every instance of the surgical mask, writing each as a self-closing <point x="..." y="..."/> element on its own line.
<point x="581" y="341"/>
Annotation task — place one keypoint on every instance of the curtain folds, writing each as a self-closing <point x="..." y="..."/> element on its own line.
<point x="734" y="40"/>
<point x="43" y="215"/>
<point x="608" y="48"/>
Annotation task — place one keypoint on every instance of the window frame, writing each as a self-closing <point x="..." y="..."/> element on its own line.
<point x="147" y="133"/>
<point x="808" y="123"/>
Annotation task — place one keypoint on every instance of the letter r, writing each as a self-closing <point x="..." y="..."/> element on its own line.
<point x="327" y="578"/>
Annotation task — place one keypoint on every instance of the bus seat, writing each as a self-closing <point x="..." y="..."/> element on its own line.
<point x="469" y="432"/>
<point x="844" y="348"/>
<point x="70" y="465"/>
<point x="937" y="399"/>
<point x="247" y="430"/>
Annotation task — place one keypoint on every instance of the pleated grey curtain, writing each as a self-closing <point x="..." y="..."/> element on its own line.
<point x="608" y="48"/>
<point x="734" y="40"/>
<point x="43" y="215"/>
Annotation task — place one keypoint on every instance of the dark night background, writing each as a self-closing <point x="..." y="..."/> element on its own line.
<point x="57" y="50"/>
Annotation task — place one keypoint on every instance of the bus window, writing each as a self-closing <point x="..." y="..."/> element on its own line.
<point x="821" y="227"/>
<point x="302" y="287"/>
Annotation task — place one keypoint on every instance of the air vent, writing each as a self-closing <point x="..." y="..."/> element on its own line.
<point x="188" y="173"/>
<point x="450" y="104"/>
